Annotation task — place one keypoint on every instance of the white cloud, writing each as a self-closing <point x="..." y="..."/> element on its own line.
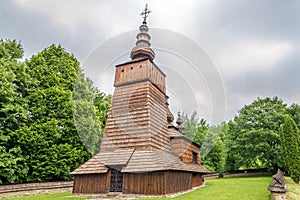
<point x="251" y="44"/>
<point x="240" y="57"/>
<point x="73" y="15"/>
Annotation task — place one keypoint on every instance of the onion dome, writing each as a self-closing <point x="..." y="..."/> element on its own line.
<point x="179" y="123"/>
<point x="142" y="48"/>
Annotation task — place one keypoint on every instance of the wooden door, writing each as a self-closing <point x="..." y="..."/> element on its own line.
<point x="116" y="180"/>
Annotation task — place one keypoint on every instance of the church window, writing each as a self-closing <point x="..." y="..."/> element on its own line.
<point x="195" y="155"/>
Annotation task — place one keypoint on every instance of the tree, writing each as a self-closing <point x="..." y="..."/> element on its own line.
<point x="102" y="103"/>
<point x="294" y="112"/>
<point x="210" y="140"/>
<point x="213" y="149"/>
<point x="13" y="167"/>
<point x="194" y="128"/>
<point x="90" y="108"/>
<point x="253" y="138"/>
<point x="40" y="100"/>
<point x="51" y="141"/>
<point x="290" y="140"/>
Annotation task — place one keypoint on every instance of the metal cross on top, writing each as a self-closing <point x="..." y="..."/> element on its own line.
<point x="145" y="13"/>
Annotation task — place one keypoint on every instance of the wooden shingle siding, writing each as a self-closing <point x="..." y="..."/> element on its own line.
<point x="137" y="118"/>
<point x="158" y="119"/>
<point x="91" y="183"/>
<point x="185" y="149"/>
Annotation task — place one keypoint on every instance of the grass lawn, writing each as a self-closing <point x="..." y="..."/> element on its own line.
<point x="58" y="196"/>
<point x="246" y="188"/>
<point x="293" y="189"/>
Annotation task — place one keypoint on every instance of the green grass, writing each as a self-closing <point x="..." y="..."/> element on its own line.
<point x="57" y="196"/>
<point x="237" y="188"/>
<point x="293" y="189"/>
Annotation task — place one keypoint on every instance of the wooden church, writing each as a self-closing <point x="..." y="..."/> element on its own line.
<point x="141" y="151"/>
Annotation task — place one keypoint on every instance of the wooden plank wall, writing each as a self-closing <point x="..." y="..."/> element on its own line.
<point x="157" y="183"/>
<point x="152" y="183"/>
<point x="91" y="183"/>
<point x="139" y="71"/>
<point x="197" y="180"/>
<point x="177" y="181"/>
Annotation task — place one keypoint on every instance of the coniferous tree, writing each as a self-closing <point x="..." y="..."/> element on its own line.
<point x="294" y="112"/>
<point x="290" y="139"/>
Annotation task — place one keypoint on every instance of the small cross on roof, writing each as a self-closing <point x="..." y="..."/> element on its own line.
<point x="145" y="13"/>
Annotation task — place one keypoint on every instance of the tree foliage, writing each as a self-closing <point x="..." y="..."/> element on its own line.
<point x="39" y="140"/>
<point x="290" y="139"/>
<point x="90" y="108"/>
<point x="52" y="119"/>
<point x="212" y="149"/>
<point x="13" y="167"/>
<point x="51" y="129"/>
<point x="294" y="112"/>
<point x="253" y="138"/>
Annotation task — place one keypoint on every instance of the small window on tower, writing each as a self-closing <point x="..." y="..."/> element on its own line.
<point x="131" y="68"/>
<point x="122" y="70"/>
<point x="195" y="155"/>
<point x="140" y="66"/>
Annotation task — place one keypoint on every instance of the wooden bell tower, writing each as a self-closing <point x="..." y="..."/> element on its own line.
<point x="142" y="152"/>
<point x="138" y="114"/>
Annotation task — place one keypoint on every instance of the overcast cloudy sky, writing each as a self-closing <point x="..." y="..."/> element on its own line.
<point x="254" y="45"/>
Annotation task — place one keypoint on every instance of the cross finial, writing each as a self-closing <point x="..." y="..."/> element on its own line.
<point x="145" y="13"/>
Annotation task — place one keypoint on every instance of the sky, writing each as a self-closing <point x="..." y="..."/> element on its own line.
<point x="217" y="55"/>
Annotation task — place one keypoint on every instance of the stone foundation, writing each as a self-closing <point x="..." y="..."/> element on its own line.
<point x="277" y="196"/>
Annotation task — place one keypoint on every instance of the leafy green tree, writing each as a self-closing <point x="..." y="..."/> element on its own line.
<point x="102" y="103"/>
<point x="40" y="100"/>
<point x="51" y="140"/>
<point x="190" y="125"/>
<point x="290" y="139"/>
<point x="214" y="148"/>
<point x="90" y="113"/>
<point x="194" y="128"/>
<point x="13" y="167"/>
<point x="253" y="138"/>
<point x="210" y="140"/>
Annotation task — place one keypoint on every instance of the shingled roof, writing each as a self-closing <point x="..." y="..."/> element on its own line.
<point x="92" y="166"/>
<point x="146" y="161"/>
<point x="116" y="157"/>
<point x="172" y="130"/>
<point x="137" y="161"/>
<point x="99" y="163"/>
